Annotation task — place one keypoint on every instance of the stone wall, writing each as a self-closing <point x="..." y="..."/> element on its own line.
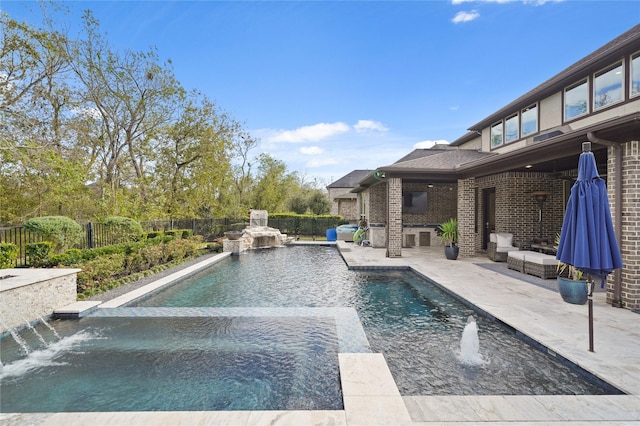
<point x="32" y="293"/>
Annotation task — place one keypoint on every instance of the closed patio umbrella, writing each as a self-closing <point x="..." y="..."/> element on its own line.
<point x="587" y="240"/>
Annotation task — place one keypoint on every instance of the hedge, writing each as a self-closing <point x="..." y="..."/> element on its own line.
<point x="8" y="255"/>
<point x="63" y="232"/>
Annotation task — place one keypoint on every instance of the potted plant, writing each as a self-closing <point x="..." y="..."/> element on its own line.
<point x="448" y="232"/>
<point x="571" y="286"/>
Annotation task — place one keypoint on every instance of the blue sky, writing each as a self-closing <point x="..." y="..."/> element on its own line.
<point x="333" y="86"/>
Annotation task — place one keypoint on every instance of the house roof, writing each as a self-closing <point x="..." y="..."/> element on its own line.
<point x="548" y="155"/>
<point x="622" y="45"/>
<point x="437" y="164"/>
<point x="439" y="159"/>
<point x="349" y="180"/>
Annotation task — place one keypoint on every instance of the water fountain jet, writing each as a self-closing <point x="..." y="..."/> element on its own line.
<point x="470" y="344"/>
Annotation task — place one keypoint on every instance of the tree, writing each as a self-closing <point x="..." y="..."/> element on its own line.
<point x="133" y="94"/>
<point x="195" y="151"/>
<point x="272" y="184"/>
<point x="28" y="56"/>
<point x="319" y="202"/>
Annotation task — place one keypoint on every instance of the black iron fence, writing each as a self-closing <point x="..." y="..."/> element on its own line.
<point x="96" y="234"/>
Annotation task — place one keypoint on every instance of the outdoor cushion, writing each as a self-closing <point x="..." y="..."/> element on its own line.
<point x="518" y="254"/>
<point x="506" y="249"/>
<point x="540" y="258"/>
<point x="504" y="239"/>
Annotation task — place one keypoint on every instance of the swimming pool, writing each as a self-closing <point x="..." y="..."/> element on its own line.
<point x="262" y="331"/>
<point x="415" y="324"/>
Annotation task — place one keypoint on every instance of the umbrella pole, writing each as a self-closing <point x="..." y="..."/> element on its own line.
<point x="590" y="299"/>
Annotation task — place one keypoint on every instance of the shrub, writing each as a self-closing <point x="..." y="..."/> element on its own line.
<point x="123" y="229"/>
<point x="153" y="234"/>
<point x="63" y="232"/>
<point x="38" y="254"/>
<point x="97" y="272"/>
<point x="70" y="257"/>
<point x="8" y="255"/>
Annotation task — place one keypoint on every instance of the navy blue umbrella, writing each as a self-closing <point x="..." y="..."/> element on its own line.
<point x="587" y="240"/>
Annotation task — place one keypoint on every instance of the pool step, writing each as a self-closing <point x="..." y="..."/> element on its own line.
<point x="76" y="310"/>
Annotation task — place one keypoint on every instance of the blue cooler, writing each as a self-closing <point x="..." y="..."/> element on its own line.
<point x="332" y="235"/>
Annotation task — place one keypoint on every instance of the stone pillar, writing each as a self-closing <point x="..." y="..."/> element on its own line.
<point x="467" y="217"/>
<point x="394" y="217"/>
<point x="233" y="246"/>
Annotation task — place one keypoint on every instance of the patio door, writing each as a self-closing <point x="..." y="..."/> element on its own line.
<point x="488" y="214"/>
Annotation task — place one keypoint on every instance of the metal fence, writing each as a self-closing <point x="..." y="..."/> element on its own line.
<point x="96" y="234"/>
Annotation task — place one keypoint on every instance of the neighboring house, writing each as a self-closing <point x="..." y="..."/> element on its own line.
<point x="343" y="201"/>
<point x="512" y="171"/>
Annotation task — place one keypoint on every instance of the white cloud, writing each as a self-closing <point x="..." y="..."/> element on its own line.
<point x="314" y="132"/>
<point x="465" y="16"/>
<point x="428" y="144"/>
<point x="366" y="125"/>
<point x="311" y="150"/>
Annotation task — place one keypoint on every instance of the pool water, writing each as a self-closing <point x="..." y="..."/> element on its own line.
<point x="187" y="358"/>
<point x="178" y="364"/>
<point x="415" y="324"/>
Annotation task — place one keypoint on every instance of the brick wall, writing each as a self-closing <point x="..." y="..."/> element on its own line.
<point x="394" y="217"/>
<point x="630" y="235"/>
<point x="466" y="217"/>
<point x="348" y="209"/>
<point x="441" y="203"/>
<point x="377" y="204"/>
<point x="516" y="208"/>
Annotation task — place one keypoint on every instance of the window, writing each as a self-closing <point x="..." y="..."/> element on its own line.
<point x="607" y="86"/>
<point x="635" y="74"/>
<point x="511" y="128"/>
<point x="496" y="135"/>
<point x="529" y="117"/>
<point x="576" y="100"/>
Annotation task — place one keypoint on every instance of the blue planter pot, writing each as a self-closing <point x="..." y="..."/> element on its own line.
<point x="573" y="291"/>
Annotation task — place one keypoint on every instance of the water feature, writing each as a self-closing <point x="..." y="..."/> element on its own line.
<point x="257" y="235"/>
<point x="415" y="324"/>
<point x="470" y="344"/>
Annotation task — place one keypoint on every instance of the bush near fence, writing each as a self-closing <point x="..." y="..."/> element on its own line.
<point x="100" y="234"/>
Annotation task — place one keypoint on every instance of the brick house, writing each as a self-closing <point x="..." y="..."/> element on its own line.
<point x="343" y="201"/>
<point x="512" y="171"/>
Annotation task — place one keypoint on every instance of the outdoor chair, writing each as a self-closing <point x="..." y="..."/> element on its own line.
<point x="499" y="246"/>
